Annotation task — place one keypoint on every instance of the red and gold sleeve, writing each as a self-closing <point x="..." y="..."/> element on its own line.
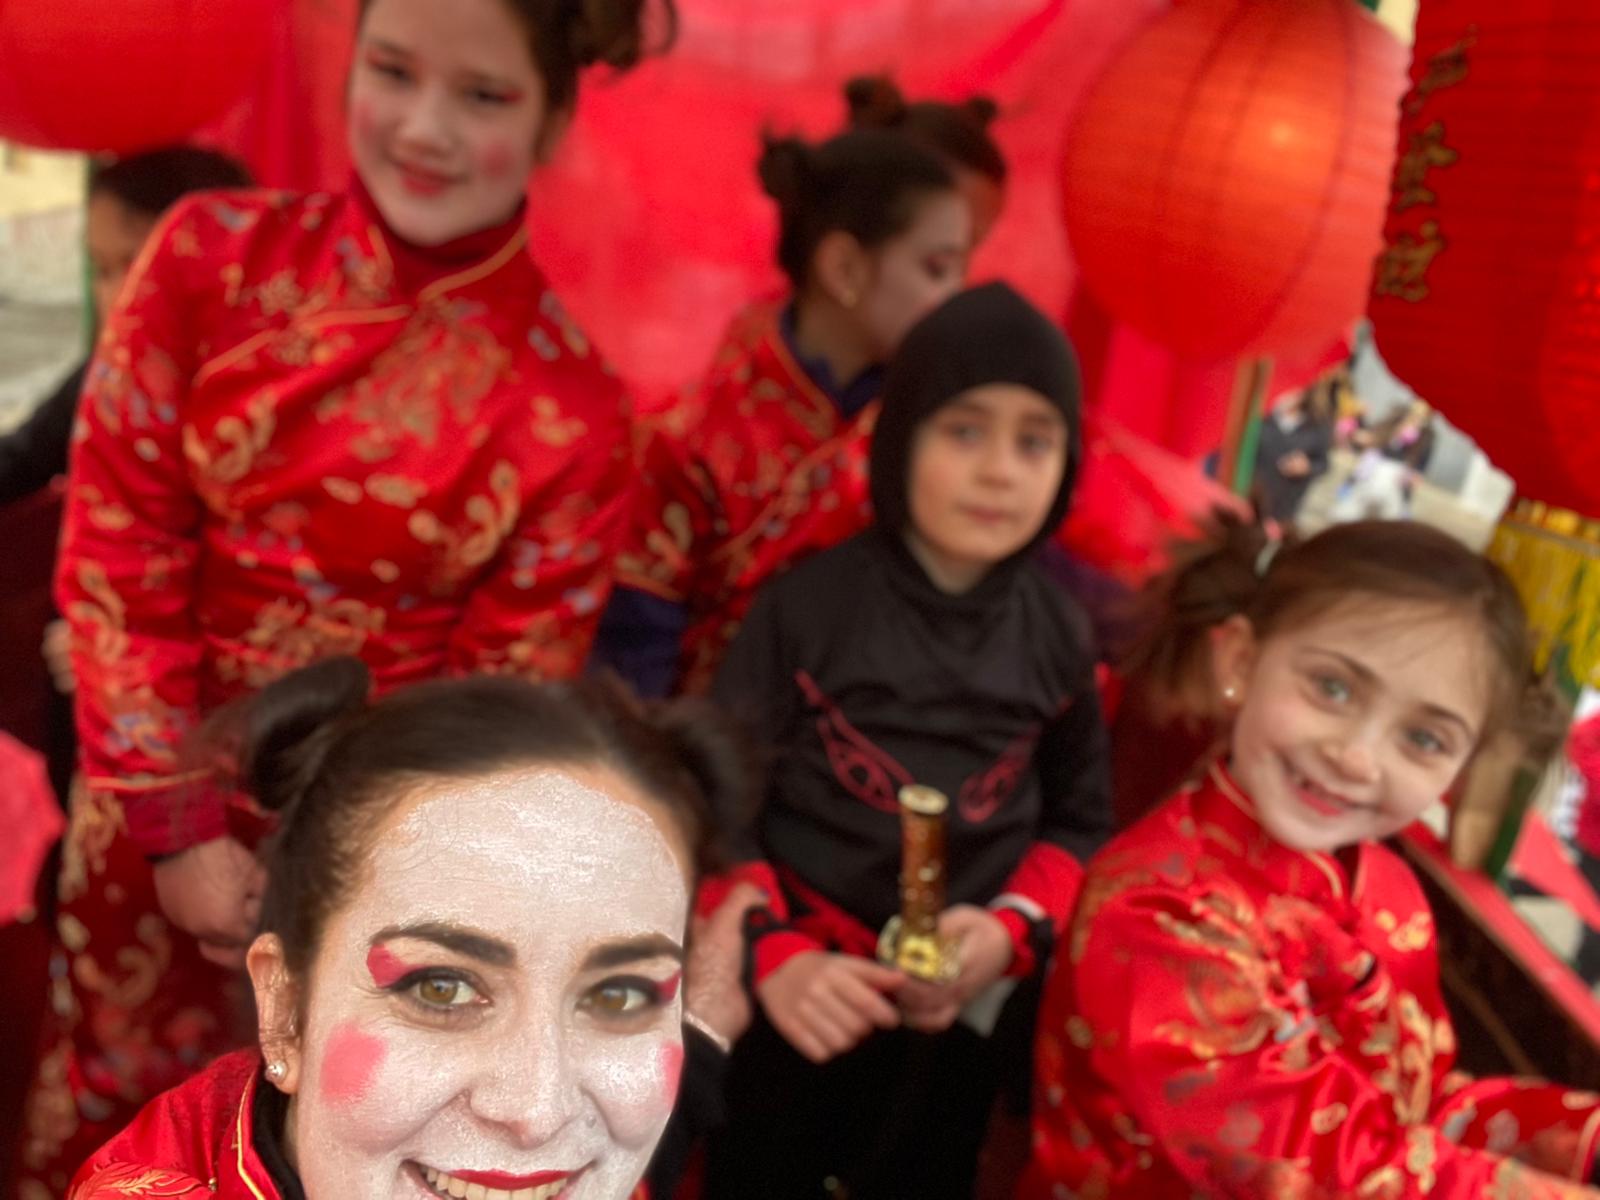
<point x="1221" y="1063"/>
<point x="671" y="525"/>
<point x="536" y="613"/>
<point x="1543" y="1125"/>
<point x="126" y="574"/>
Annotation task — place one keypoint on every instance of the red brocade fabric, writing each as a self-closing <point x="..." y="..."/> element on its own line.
<point x="299" y="438"/>
<point x="195" y="1140"/>
<point x="1233" y="1018"/>
<point x="750" y="471"/>
<point x="192" y="1141"/>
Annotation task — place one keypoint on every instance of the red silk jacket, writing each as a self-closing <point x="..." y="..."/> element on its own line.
<point x="1234" y="1018"/>
<point x="752" y="469"/>
<point x="300" y="437"/>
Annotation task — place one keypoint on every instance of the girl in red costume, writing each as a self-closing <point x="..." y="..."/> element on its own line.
<point x="357" y="423"/>
<point x="763" y="461"/>
<point x="1248" y="1004"/>
<point x="469" y="975"/>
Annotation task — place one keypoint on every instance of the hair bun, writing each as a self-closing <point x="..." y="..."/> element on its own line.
<point x="982" y="110"/>
<point x="616" y="33"/>
<point x="875" y="102"/>
<point x="785" y="169"/>
<point x="287" y="724"/>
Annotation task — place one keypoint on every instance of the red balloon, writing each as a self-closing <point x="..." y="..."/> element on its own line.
<point x="125" y="75"/>
<point x="1226" y="176"/>
<point x="1486" y="299"/>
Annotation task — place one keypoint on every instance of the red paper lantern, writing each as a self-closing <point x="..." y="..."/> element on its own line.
<point x="1225" y="178"/>
<point x="124" y="75"/>
<point x="1486" y="299"/>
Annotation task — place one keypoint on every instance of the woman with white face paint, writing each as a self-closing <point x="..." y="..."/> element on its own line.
<point x="469" y="980"/>
<point x="357" y="422"/>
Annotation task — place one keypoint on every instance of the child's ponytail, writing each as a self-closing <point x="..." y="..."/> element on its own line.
<point x="1212" y="579"/>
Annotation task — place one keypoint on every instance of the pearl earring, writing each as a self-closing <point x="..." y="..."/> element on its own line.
<point x="1230" y="693"/>
<point x="276" y="1071"/>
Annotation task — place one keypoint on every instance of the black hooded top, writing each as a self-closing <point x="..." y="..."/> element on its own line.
<point x="858" y="676"/>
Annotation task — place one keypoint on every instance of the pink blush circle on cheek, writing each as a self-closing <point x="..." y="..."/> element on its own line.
<point x="497" y="161"/>
<point x="671" y="1071"/>
<point x="349" y="1062"/>
<point x="363" y="119"/>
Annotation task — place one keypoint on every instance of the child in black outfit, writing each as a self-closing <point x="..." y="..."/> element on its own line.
<point x="930" y="649"/>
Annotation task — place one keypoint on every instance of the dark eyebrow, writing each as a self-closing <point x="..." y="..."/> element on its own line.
<point x="627" y="950"/>
<point x="1367" y="676"/>
<point x="467" y="942"/>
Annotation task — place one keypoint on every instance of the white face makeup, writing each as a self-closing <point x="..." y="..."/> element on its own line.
<point x="496" y="1014"/>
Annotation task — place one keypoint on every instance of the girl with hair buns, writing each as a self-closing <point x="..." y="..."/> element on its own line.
<point x="1248" y="1002"/>
<point x="469" y="975"/>
<point x="351" y="423"/>
<point x="763" y="460"/>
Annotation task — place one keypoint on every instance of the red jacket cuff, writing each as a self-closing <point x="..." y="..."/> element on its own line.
<point x="774" y="949"/>
<point x="1048" y="877"/>
<point x="1023" y="958"/>
<point x="714" y="889"/>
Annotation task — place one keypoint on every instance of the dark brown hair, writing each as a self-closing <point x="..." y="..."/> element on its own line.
<point x="867" y="183"/>
<point x="564" y="36"/>
<point x="312" y="748"/>
<point x="958" y="132"/>
<point x="152" y="182"/>
<point x="1237" y="571"/>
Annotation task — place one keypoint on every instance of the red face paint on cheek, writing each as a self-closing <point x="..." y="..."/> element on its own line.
<point x="349" y="1063"/>
<point x="497" y="161"/>
<point x="386" y="969"/>
<point x="671" y="1070"/>
<point x="365" y="123"/>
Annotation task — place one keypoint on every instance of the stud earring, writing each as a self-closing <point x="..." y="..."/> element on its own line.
<point x="1230" y="693"/>
<point x="276" y="1071"/>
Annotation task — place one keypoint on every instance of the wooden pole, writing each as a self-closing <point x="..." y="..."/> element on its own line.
<point x="1236" y="462"/>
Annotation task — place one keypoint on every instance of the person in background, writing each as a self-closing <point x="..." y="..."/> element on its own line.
<point x="1292" y="453"/>
<point x="930" y="649"/>
<point x="762" y="461"/>
<point x="1394" y="456"/>
<point x="350" y="423"/>
<point x="1248" y="1002"/>
<point x="126" y="199"/>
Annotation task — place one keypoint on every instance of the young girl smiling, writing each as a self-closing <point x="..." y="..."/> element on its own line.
<point x="1249" y="1004"/>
